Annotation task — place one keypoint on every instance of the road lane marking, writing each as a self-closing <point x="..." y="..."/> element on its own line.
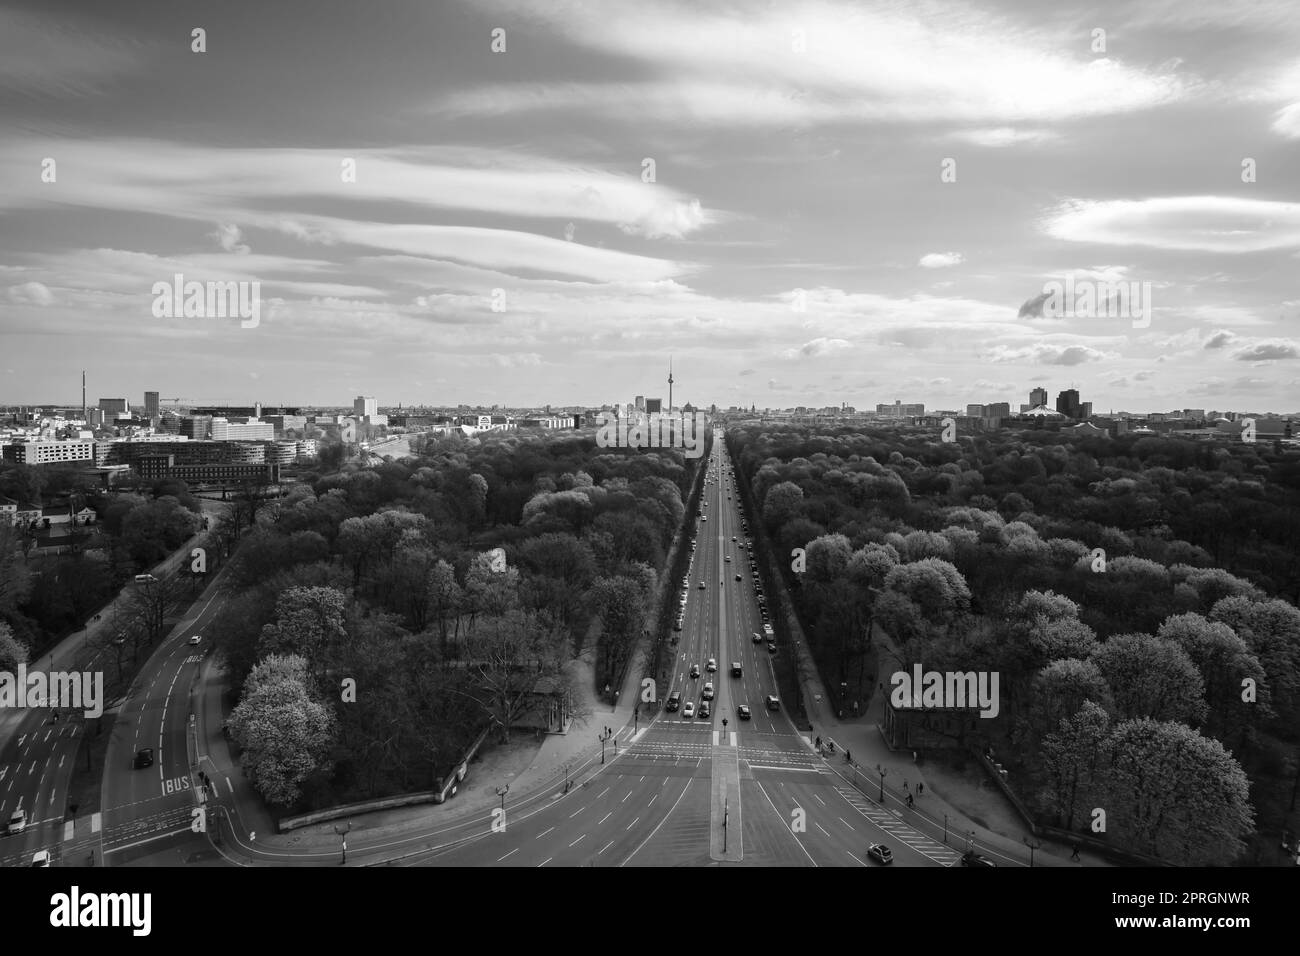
<point x="543" y="833"/>
<point x="604" y="848"/>
<point x="603" y="792"/>
<point x="605" y="817"/>
<point x="576" y="812"/>
<point x="577" y="841"/>
<point x="545" y="861"/>
<point x="632" y="824"/>
<point x="515" y="850"/>
<point x="653" y="799"/>
<point x="626" y="795"/>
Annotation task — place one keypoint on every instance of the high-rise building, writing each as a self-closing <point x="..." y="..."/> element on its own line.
<point x="654" y="406"/>
<point x="196" y="426"/>
<point x="151" y="404"/>
<point x="1067" y="403"/>
<point x="364" y="406"/>
<point x="1085" y="410"/>
<point x="974" y="411"/>
<point x="640" y="403"/>
<point x="112" y="406"/>
<point x="1037" y="396"/>
<point x="998" y="410"/>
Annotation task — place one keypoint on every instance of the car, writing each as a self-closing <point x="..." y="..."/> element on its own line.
<point x="17" y="822"/>
<point x="771" y="646"/>
<point x="695" y="670"/>
<point x="758" y="638"/>
<point x="971" y="858"/>
<point x="196" y="638"/>
<point x="704" y="517"/>
<point x="733" y="537"/>
<point x="701" y="585"/>
<point x="712" y="665"/>
<point x="736" y="669"/>
<point x="880" y="853"/>
<point x="689" y="709"/>
<point x="704" y="708"/>
<point x="682" y="600"/>
<point x="773" y="703"/>
<point x="677" y="624"/>
<point x="145" y="579"/>
<point x="708" y="691"/>
<point x="767" y="629"/>
<point x="41" y="858"/>
<point x="674" y="701"/>
<point x="727" y="558"/>
<point x="144" y="758"/>
<point x="743" y="711"/>
<point x="738" y="577"/>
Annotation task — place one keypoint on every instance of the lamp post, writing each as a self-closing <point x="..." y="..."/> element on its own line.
<point x="883" y="773"/>
<point x="945" y="829"/>
<point x="603" y="738"/>
<point x="1033" y="845"/>
<point x="344" y="835"/>
<point x="501" y="792"/>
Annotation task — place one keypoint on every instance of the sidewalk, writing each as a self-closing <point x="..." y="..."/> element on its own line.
<point x="968" y="805"/>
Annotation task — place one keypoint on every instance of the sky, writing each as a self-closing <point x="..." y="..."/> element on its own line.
<point x="517" y="202"/>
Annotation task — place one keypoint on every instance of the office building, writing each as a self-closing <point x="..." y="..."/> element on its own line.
<point x="974" y="411"/>
<point x="196" y="427"/>
<point x="364" y="406"/>
<point x="113" y="406"/>
<point x="998" y="410"/>
<point x="223" y="430"/>
<point x="151" y="404"/>
<point x="1067" y="403"/>
<point x="640" y="403"/>
<point x="899" y="410"/>
<point x="654" y="406"/>
<point x="1037" y="396"/>
<point x="50" y="452"/>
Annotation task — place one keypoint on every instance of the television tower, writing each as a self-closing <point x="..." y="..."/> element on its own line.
<point x="670" y="383"/>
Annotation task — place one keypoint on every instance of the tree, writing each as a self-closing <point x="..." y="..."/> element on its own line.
<point x="1151" y="678"/>
<point x="308" y="623"/>
<point x="12" y="651"/>
<point x="1224" y="662"/>
<point x="285" y="734"/>
<point x="507" y="657"/>
<point x="445" y="600"/>
<point x="15" y="579"/>
<point x="780" y="503"/>
<point x="1070" y="758"/>
<point x="1060" y="690"/>
<point x="1175" y="794"/>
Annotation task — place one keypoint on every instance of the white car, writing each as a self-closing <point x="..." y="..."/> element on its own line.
<point x="712" y="665"/>
<point x="689" y="709"/>
<point x="18" y="822"/>
<point x="196" y="638"/>
<point x="41" y="858"/>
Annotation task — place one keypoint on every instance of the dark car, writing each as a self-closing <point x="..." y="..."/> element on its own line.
<point x="880" y="853"/>
<point x="144" y="758"/>
<point x="743" y="711"/>
<point x="758" y="638"/>
<point x="771" y="646"/>
<point x="971" y="858"/>
<point x="738" y="577"/>
<point x="704" y="708"/>
<point x="773" y="703"/>
<point x="695" y="670"/>
<point x="674" y="701"/>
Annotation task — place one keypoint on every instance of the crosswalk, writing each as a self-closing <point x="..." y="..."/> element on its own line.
<point x="892" y="823"/>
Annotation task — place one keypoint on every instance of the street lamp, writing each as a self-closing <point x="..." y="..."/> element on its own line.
<point x="883" y="773"/>
<point x="603" y="738"/>
<point x="945" y="829"/>
<point x="1032" y="847"/>
<point x="501" y="792"/>
<point x="344" y="835"/>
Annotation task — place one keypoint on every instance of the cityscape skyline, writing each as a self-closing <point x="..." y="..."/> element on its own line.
<point x="429" y="223"/>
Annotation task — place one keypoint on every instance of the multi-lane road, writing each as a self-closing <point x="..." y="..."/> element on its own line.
<point x="694" y="791"/>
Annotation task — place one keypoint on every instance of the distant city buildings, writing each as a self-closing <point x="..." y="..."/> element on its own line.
<point x="151" y="404"/>
<point x="899" y="410"/>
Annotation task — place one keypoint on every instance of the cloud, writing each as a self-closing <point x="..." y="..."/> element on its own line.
<point x="1185" y="223"/>
<point x="229" y="236"/>
<point x="51" y="55"/>
<point x="1033" y="308"/>
<point x="1005" y="136"/>
<point x="1046" y="354"/>
<point x="745" y="371"/>
<point x="941" y="260"/>
<point x="1267" y="351"/>
<point x="817" y="347"/>
<point x="1219" y="339"/>
<point x="776" y="386"/>
<point x="897" y="64"/>
<point x="31" y="293"/>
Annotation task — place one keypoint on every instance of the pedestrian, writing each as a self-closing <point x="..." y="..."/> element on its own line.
<point x="841" y="713"/>
<point x="913" y="756"/>
<point x="920" y="789"/>
<point x="905" y="786"/>
<point x="909" y="801"/>
<point x="819" y="743"/>
<point x="1075" y="854"/>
